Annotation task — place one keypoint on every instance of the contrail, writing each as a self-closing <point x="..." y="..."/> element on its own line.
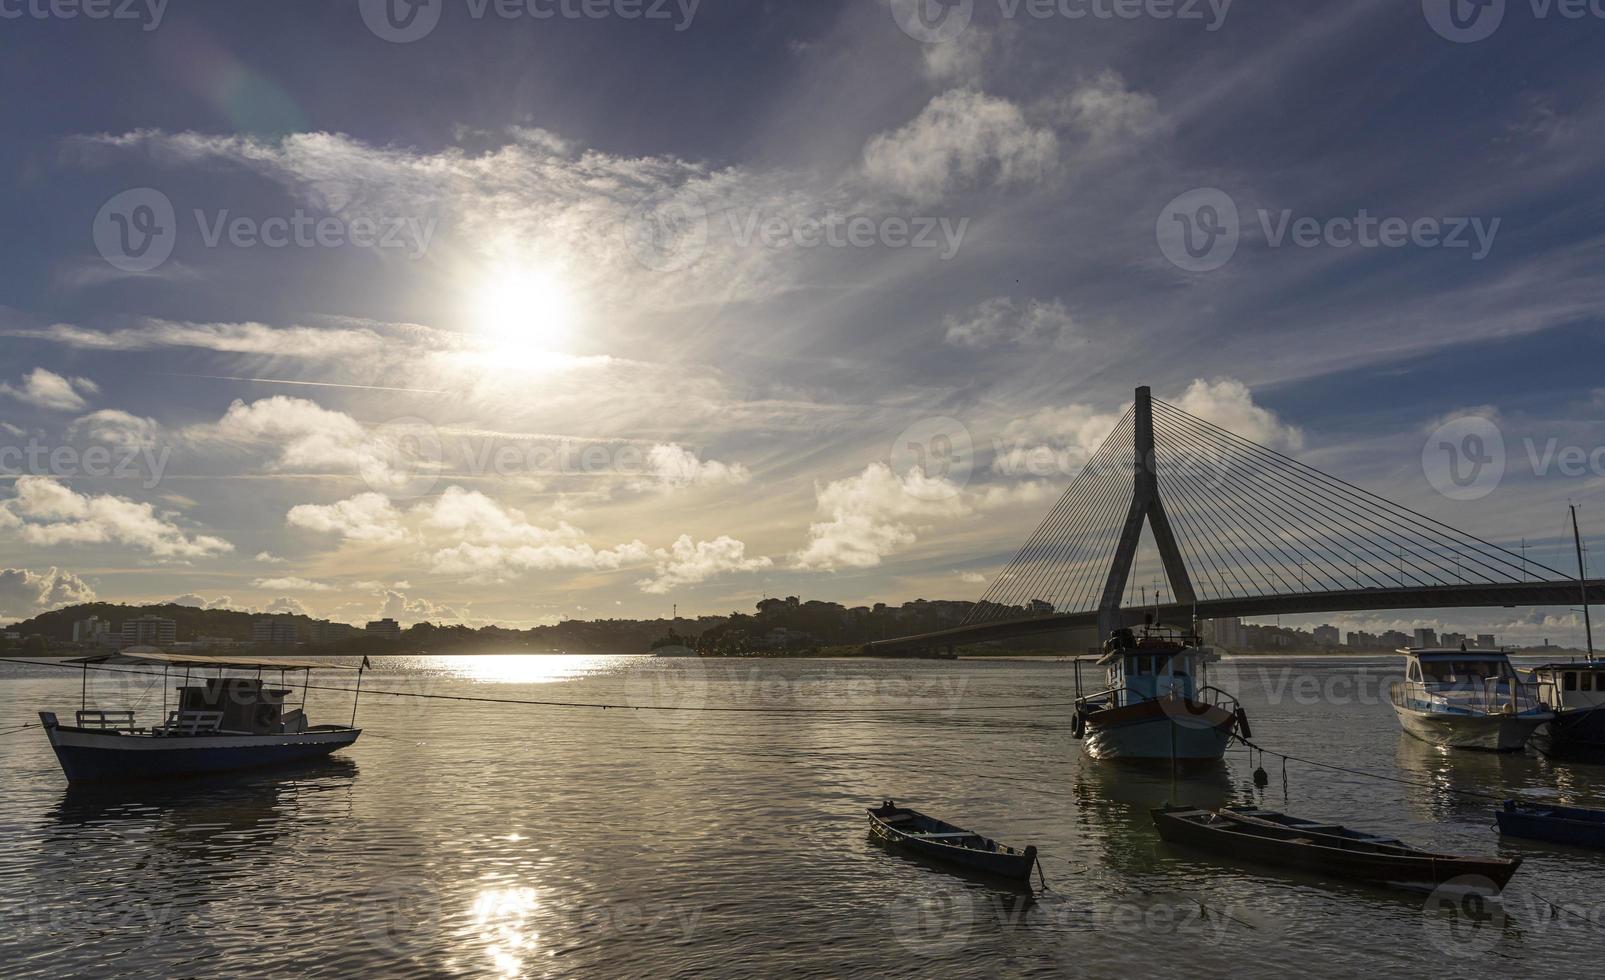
<point x="311" y="384"/>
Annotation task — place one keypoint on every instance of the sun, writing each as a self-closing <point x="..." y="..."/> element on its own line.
<point x="523" y="315"/>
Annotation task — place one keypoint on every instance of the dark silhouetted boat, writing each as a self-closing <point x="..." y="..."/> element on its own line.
<point x="1267" y="837"/>
<point x="1573" y="825"/>
<point x="941" y="841"/>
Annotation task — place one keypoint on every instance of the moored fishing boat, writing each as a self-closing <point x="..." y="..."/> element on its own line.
<point x="1267" y="837"/>
<point x="1576" y="691"/>
<point x="1573" y="825"/>
<point x="1158" y="706"/>
<point x="217" y="724"/>
<point x="1467" y="699"/>
<point x="942" y="841"/>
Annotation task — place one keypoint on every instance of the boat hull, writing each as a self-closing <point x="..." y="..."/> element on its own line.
<point x="1556" y="825"/>
<point x="1160" y="731"/>
<point x="1415" y="870"/>
<point x="1482" y="733"/>
<point x="1577" y="735"/>
<point x="96" y="756"/>
<point x="1013" y="866"/>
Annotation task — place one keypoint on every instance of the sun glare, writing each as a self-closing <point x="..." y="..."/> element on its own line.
<point x="523" y="315"/>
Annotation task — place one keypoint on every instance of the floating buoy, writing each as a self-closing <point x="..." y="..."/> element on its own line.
<point x="1262" y="778"/>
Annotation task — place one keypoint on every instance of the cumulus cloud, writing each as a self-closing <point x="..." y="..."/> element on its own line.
<point x="1230" y="405"/>
<point x="365" y="517"/>
<point x="286" y="606"/>
<point x="201" y="602"/>
<point x="269" y="558"/>
<point x="688" y="562"/>
<point x="1002" y="322"/>
<point x="116" y="427"/>
<point x="963" y="139"/>
<point x="408" y="610"/>
<point x="49" y="390"/>
<point x="873" y="514"/>
<point x="25" y="593"/>
<point x="675" y="467"/>
<point x="302" y="435"/>
<point x="959" y="61"/>
<point x="44" y="512"/>
<point x="1104" y="114"/>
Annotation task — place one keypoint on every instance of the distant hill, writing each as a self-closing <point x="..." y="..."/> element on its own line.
<point x="192" y="622"/>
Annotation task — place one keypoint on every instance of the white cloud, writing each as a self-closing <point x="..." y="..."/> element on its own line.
<point x="1105" y="114"/>
<point x="365" y="517"/>
<point x="409" y="610"/>
<point x="286" y="606"/>
<point x="201" y="602"/>
<point x="269" y="558"/>
<point x="959" y="61"/>
<point x="1052" y="442"/>
<point x="688" y="562"/>
<point x="292" y="582"/>
<point x="25" y="593"/>
<point x="962" y="139"/>
<point x="873" y="514"/>
<point x="116" y="427"/>
<point x="304" y="436"/>
<point x="1000" y="321"/>
<point x="229" y="338"/>
<point x="1230" y="405"/>
<point x="44" y="512"/>
<point x="49" y="390"/>
<point x="675" y="467"/>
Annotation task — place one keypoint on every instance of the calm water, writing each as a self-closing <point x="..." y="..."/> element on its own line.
<point x="499" y="840"/>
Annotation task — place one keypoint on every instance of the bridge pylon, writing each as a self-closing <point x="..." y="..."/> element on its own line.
<point x="1147" y="505"/>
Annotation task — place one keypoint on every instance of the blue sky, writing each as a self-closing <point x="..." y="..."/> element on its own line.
<point x="743" y="255"/>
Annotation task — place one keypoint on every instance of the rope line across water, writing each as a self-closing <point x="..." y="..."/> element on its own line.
<point x="604" y="706"/>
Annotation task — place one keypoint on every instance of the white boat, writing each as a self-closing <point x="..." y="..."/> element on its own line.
<point x="1576" y="690"/>
<point x="1158" y="706"/>
<point x="217" y="724"/>
<point x="1467" y="699"/>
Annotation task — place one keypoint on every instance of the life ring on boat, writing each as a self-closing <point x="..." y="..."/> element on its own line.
<point x="1243" y="731"/>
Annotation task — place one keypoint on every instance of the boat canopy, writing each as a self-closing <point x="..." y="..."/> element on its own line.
<point x="145" y="655"/>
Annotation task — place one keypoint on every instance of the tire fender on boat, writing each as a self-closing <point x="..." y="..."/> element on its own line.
<point x="1078" y="725"/>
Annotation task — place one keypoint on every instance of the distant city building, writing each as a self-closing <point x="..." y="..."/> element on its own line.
<point x="215" y="642"/>
<point x="1395" y="640"/>
<point x="274" y="631"/>
<point x="90" y="630"/>
<point x="1452" y="640"/>
<point x="1426" y="636"/>
<point x="149" y="631"/>
<point x="1227" y="632"/>
<point x="1487" y="641"/>
<point x="323" y="631"/>
<point x="1328" y="636"/>
<point x="387" y="628"/>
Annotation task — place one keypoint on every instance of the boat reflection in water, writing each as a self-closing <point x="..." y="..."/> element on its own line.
<point x="1439" y="779"/>
<point x="1113" y="804"/>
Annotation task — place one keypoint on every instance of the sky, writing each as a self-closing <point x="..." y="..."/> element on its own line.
<point x="517" y="312"/>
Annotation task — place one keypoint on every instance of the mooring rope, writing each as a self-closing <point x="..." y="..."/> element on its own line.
<point x="604" y="706"/>
<point x="1373" y="775"/>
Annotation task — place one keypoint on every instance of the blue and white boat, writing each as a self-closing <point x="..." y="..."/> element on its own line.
<point x="217" y="723"/>
<point x="1467" y="699"/>
<point x="1576" y="691"/>
<point x="1158" y="706"/>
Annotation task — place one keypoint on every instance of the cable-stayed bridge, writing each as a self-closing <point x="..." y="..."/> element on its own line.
<point x="1240" y="530"/>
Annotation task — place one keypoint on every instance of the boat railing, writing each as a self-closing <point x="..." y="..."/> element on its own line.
<point x="1120" y="696"/>
<point x="1493" y="695"/>
<point x="191" y="723"/>
<point x="107" y="721"/>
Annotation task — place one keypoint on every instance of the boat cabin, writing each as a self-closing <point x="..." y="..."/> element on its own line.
<point x="1155" y="662"/>
<point x="1481" y="680"/>
<point x="1576" y="686"/>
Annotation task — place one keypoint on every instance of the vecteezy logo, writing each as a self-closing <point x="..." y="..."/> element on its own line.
<point x="402" y="457"/>
<point x="934" y="923"/>
<point x="933" y="21"/>
<point x="1464" y="459"/>
<point x="135" y="230"/>
<point x="401" y="21"/>
<point x="668" y="231"/>
<point x="1464" y="21"/>
<point x="933" y="458"/>
<point x="1462" y="920"/>
<point x="1199" y="231"/>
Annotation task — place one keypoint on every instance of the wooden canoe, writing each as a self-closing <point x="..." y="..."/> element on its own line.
<point x="1267" y="837"/>
<point x="938" y="840"/>
<point x="1573" y="825"/>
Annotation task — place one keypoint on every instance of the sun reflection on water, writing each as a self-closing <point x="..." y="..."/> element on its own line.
<point x="501" y="920"/>
<point x="540" y="668"/>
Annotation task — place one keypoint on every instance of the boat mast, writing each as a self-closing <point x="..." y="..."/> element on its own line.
<point x="1582" y="581"/>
